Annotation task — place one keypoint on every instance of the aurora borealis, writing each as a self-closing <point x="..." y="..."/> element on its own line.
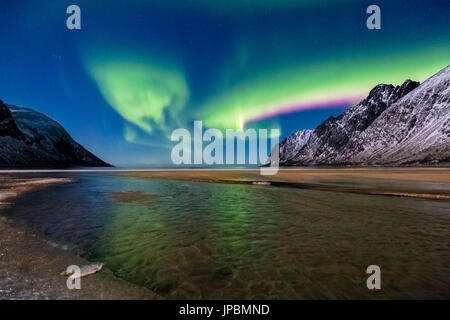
<point x="137" y="70"/>
<point x="150" y="87"/>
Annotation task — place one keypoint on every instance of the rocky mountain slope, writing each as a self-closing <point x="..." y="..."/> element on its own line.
<point x="290" y="146"/>
<point x="403" y="125"/>
<point x="30" y="139"/>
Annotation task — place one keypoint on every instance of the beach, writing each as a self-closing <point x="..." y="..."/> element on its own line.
<point x="30" y="266"/>
<point x="226" y="234"/>
<point x="432" y="183"/>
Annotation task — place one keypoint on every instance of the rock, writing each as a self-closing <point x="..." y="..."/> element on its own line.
<point x="30" y="139"/>
<point x="86" y="270"/>
<point x="8" y="127"/>
<point x="407" y="124"/>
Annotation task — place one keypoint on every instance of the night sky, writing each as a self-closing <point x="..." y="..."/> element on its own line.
<point x="139" y="69"/>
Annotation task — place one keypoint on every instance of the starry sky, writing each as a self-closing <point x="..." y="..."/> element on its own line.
<point x="139" y="69"/>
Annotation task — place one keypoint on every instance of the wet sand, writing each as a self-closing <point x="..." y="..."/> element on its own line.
<point x="13" y="187"/>
<point x="133" y="197"/>
<point x="307" y="174"/>
<point x="427" y="183"/>
<point x="30" y="267"/>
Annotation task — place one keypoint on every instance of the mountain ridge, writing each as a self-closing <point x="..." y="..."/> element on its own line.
<point x="403" y="125"/>
<point x="31" y="139"/>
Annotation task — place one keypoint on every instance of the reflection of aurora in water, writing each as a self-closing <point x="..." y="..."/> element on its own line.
<point x="208" y="240"/>
<point x="170" y="245"/>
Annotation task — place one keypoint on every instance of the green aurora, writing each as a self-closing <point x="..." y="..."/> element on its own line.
<point x="139" y="69"/>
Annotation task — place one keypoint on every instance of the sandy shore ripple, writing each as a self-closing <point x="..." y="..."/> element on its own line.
<point x="30" y="267"/>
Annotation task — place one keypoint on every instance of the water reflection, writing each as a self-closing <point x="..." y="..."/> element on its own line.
<point x="206" y="240"/>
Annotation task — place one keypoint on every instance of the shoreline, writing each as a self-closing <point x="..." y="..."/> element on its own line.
<point x="30" y="269"/>
<point x="30" y="266"/>
<point x="424" y="183"/>
<point x="217" y="169"/>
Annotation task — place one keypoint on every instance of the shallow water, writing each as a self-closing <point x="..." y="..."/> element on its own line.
<point x="187" y="239"/>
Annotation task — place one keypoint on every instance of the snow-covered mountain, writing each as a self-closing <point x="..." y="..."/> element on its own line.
<point x="403" y="125"/>
<point x="290" y="146"/>
<point x="30" y="139"/>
